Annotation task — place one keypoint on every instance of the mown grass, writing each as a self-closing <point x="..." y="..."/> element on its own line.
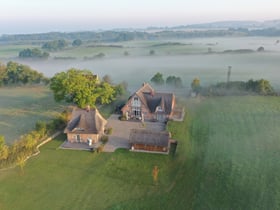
<point x="22" y="107"/>
<point x="227" y="158"/>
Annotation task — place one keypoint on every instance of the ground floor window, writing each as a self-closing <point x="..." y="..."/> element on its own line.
<point x="136" y="111"/>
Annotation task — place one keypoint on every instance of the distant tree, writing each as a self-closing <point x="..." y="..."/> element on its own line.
<point x="81" y="87"/>
<point x="196" y="85"/>
<point x="229" y="73"/>
<point x="77" y="43"/>
<point x="55" y="45"/>
<point x="126" y="53"/>
<point x="158" y="79"/>
<point x="261" y="86"/>
<point x="174" y="81"/>
<point x="152" y="52"/>
<point x="121" y="89"/>
<point x="33" y="53"/>
<point x="260" y="49"/>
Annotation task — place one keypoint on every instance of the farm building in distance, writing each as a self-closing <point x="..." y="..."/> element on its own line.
<point x="149" y="140"/>
<point x="150" y="105"/>
<point x="86" y="126"/>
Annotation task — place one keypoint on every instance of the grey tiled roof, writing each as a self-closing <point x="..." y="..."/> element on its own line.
<point x="84" y="121"/>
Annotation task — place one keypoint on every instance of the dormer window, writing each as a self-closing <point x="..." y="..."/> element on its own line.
<point x="79" y="129"/>
<point x="159" y="109"/>
<point x="136" y="102"/>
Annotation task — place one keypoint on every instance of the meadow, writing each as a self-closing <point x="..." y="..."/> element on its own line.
<point x="22" y="107"/>
<point x="187" y="58"/>
<point x="227" y="158"/>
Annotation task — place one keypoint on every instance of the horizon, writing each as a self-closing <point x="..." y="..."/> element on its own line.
<point x="42" y="16"/>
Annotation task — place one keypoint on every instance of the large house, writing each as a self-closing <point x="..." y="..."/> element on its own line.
<point x="150" y="105"/>
<point x="86" y="126"/>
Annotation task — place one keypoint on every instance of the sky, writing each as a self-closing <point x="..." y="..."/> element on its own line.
<point x="37" y="16"/>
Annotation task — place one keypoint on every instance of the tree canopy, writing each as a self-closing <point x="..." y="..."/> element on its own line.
<point x="77" y="43"/>
<point x="15" y="73"/>
<point x="158" y="79"/>
<point x="196" y="85"/>
<point x="55" y="45"/>
<point x="81" y="87"/>
<point x="174" y="81"/>
<point x="33" y="53"/>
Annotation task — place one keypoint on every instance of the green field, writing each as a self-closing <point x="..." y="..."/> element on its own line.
<point x="22" y="107"/>
<point x="227" y="158"/>
<point x="186" y="58"/>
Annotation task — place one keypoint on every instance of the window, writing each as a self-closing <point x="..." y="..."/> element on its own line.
<point x="136" y="102"/>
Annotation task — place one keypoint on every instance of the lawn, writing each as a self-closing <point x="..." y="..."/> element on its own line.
<point x="227" y="158"/>
<point x="22" y="107"/>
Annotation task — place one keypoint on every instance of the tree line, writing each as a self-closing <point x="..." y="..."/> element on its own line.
<point x="16" y="154"/>
<point x="117" y="36"/>
<point x="16" y="74"/>
<point x="172" y="81"/>
<point x="259" y="87"/>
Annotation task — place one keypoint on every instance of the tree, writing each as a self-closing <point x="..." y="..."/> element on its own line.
<point x="152" y="52"/>
<point x="196" y="85"/>
<point x="55" y="45"/>
<point x="158" y="79"/>
<point x="4" y="149"/>
<point x="77" y="43"/>
<point x="260" y="49"/>
<point x="174" y="81"/>
<point x="81" y="87"/>
<point x="33" y="53"/>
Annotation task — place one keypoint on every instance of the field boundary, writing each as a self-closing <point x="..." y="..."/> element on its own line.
<point x="37" y="148"/>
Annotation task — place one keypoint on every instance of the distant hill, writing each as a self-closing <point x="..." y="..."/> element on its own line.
<point x="213" y="29"/>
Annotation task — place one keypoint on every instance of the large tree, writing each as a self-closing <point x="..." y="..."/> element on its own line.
<point x="82" y="88"/>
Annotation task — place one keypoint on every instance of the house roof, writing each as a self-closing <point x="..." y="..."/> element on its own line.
<point x="149" y="137"/>
<point x="164" y="100"/>
<point x="85" y="121"/>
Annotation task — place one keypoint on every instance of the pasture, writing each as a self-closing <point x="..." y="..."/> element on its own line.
<point x="187" y="58"/>
<point x="227" y="158"/>
<point x="22" y="107"/>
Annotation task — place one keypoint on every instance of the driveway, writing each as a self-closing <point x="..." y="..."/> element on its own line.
<point x="121" y="130"/>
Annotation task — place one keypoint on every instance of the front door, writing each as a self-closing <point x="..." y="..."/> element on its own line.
<point x="78" y="138"/>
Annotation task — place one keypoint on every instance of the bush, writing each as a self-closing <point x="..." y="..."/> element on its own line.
<point x="109" y="131"/>
<point x="104" y="139"/>
<point x="100" y="148"/>
<point x="122" y="118"/>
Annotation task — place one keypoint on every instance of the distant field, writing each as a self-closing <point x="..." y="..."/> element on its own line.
<point x="187" y="58"/>
<point x="228" y="158"/>
<point x="22" y="107"/>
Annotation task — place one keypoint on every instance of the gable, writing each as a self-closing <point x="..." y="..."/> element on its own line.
<point x="152" y="100"/>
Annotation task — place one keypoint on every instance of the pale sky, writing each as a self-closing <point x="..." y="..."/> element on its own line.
<point x="34" y="16"/>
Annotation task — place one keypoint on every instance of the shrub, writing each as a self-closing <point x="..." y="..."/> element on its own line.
<point x="122" y="118"/>
<point x="109" y="131"/>
<point x="104" y="139"/>
<point x="100" y="148"/>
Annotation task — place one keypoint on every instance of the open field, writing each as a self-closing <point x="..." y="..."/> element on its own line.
<point x="22" y="107"/>
<point x="187" y="58"/>
<point x="227" y="158"/>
